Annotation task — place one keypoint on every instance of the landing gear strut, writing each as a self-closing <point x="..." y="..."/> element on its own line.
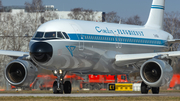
<point x="58" y="86"/>
<point x="145" y="89"/>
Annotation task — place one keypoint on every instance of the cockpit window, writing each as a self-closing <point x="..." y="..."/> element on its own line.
<point x="59" y="35"/>
<point x="39" y="34"/>
<point x="50" y="35"/>
<point x="65" y="35"/>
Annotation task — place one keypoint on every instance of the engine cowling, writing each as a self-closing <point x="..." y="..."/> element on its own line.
<point x="156" y="73"/>
<point x="20" y="73"/>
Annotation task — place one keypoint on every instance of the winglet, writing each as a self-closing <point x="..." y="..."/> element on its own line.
<point x="156" y="15"/>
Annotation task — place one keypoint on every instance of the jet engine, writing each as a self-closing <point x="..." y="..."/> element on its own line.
<point x="20" y="73"/>
<point x="156" y="72"/>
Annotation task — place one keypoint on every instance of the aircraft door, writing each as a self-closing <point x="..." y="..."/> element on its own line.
<point x="117" y="39"/>
<point x="79" y="36"/>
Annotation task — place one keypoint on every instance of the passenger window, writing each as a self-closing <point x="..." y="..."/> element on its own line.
<point x="50" y="35"/>
<point x="39" y="34"/>
<point x="67" y="37"/>
<point x="59" y="35"/>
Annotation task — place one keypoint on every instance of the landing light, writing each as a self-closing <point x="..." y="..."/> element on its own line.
<point x="55" y="72"/>
<point x="60" y="71"/>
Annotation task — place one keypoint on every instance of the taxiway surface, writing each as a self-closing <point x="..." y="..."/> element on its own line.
<point x="89" y="95"/>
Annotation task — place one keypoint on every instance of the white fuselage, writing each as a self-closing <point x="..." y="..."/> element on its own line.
<point x="92" y="46"/>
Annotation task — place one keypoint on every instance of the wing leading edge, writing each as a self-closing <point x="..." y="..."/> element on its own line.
<point x="124" y="59"/>
<point x="13" y="53"/>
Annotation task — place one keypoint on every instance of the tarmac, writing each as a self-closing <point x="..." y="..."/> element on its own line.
<point x="89" y="95"/>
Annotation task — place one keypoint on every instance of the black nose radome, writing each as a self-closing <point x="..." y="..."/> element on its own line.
<point x="41" y="52"/>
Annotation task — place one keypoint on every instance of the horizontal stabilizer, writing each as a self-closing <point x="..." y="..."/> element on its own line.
<point x="174" y="41"/>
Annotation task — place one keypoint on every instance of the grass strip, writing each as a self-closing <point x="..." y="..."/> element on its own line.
<point x="162" y="98"/>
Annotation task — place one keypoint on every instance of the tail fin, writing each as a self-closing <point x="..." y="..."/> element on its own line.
<point x="156" y="15"/>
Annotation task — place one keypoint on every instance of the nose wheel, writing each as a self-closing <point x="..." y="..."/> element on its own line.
<point x="67" y="87"/>
<point x="58" y="86"/>
<point x="57" y="90"/>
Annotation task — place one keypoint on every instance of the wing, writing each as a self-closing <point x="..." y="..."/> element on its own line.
<point x="173" y="41"/>
<point x="13" y="53"/>
<point x="125" y="59"/>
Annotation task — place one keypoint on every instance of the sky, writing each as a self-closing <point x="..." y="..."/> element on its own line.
<point x="124" y="8"/>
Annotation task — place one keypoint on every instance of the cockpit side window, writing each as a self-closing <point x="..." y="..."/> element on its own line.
<point x="67" y="37"/>
<point x="50" y="35"/>
<point x="39" y="34"/>
<point x="59" y="35"/>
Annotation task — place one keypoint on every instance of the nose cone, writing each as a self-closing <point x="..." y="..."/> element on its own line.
<point x="41" y="52"/>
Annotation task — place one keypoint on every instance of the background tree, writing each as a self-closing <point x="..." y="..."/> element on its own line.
<point x="16" y="30"/>
<point x="76" y="13"/>
<point x="39" y="16"/>
<point x="112" y="17"/>
<point x="1" y="6"/>
<point x="35" y="6"/>
<point x="172" y="25"/>
<point x="48" y="15"/>
<point x="82" y="14"/>
<point x="135" y="20"/>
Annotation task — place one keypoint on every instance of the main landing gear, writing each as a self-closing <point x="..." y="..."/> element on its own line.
<point x="59" y="86"/>
<point x="145" y="89"/>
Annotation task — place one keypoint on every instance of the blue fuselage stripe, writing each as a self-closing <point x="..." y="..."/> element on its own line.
<point x="157" y="7"/>
<point x="116" y="39"/>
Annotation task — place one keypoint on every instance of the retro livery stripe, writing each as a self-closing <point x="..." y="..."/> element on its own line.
<point x="120" y="39"/>
<point x="157" y="7"/>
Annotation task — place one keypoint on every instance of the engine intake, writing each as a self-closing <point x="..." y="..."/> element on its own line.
<point x="20" y="72"/>
<point x="151" y="72"/>
<point x="156" y="73"/>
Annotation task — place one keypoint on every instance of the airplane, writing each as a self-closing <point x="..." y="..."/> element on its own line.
<point x="88" y="47"/>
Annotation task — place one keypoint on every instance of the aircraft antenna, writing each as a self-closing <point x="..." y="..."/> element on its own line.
<point x="120" y="21"/>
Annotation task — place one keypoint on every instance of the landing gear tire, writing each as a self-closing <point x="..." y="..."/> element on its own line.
<point x="144" y="88"/>
<point x="55" y="88"/>
<point x="67" y="87"/>
<point x="55" y="91"/>
<point x="155" y="90"/>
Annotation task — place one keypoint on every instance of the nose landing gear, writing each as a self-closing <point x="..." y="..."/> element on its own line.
<point x="59" y="85"/>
